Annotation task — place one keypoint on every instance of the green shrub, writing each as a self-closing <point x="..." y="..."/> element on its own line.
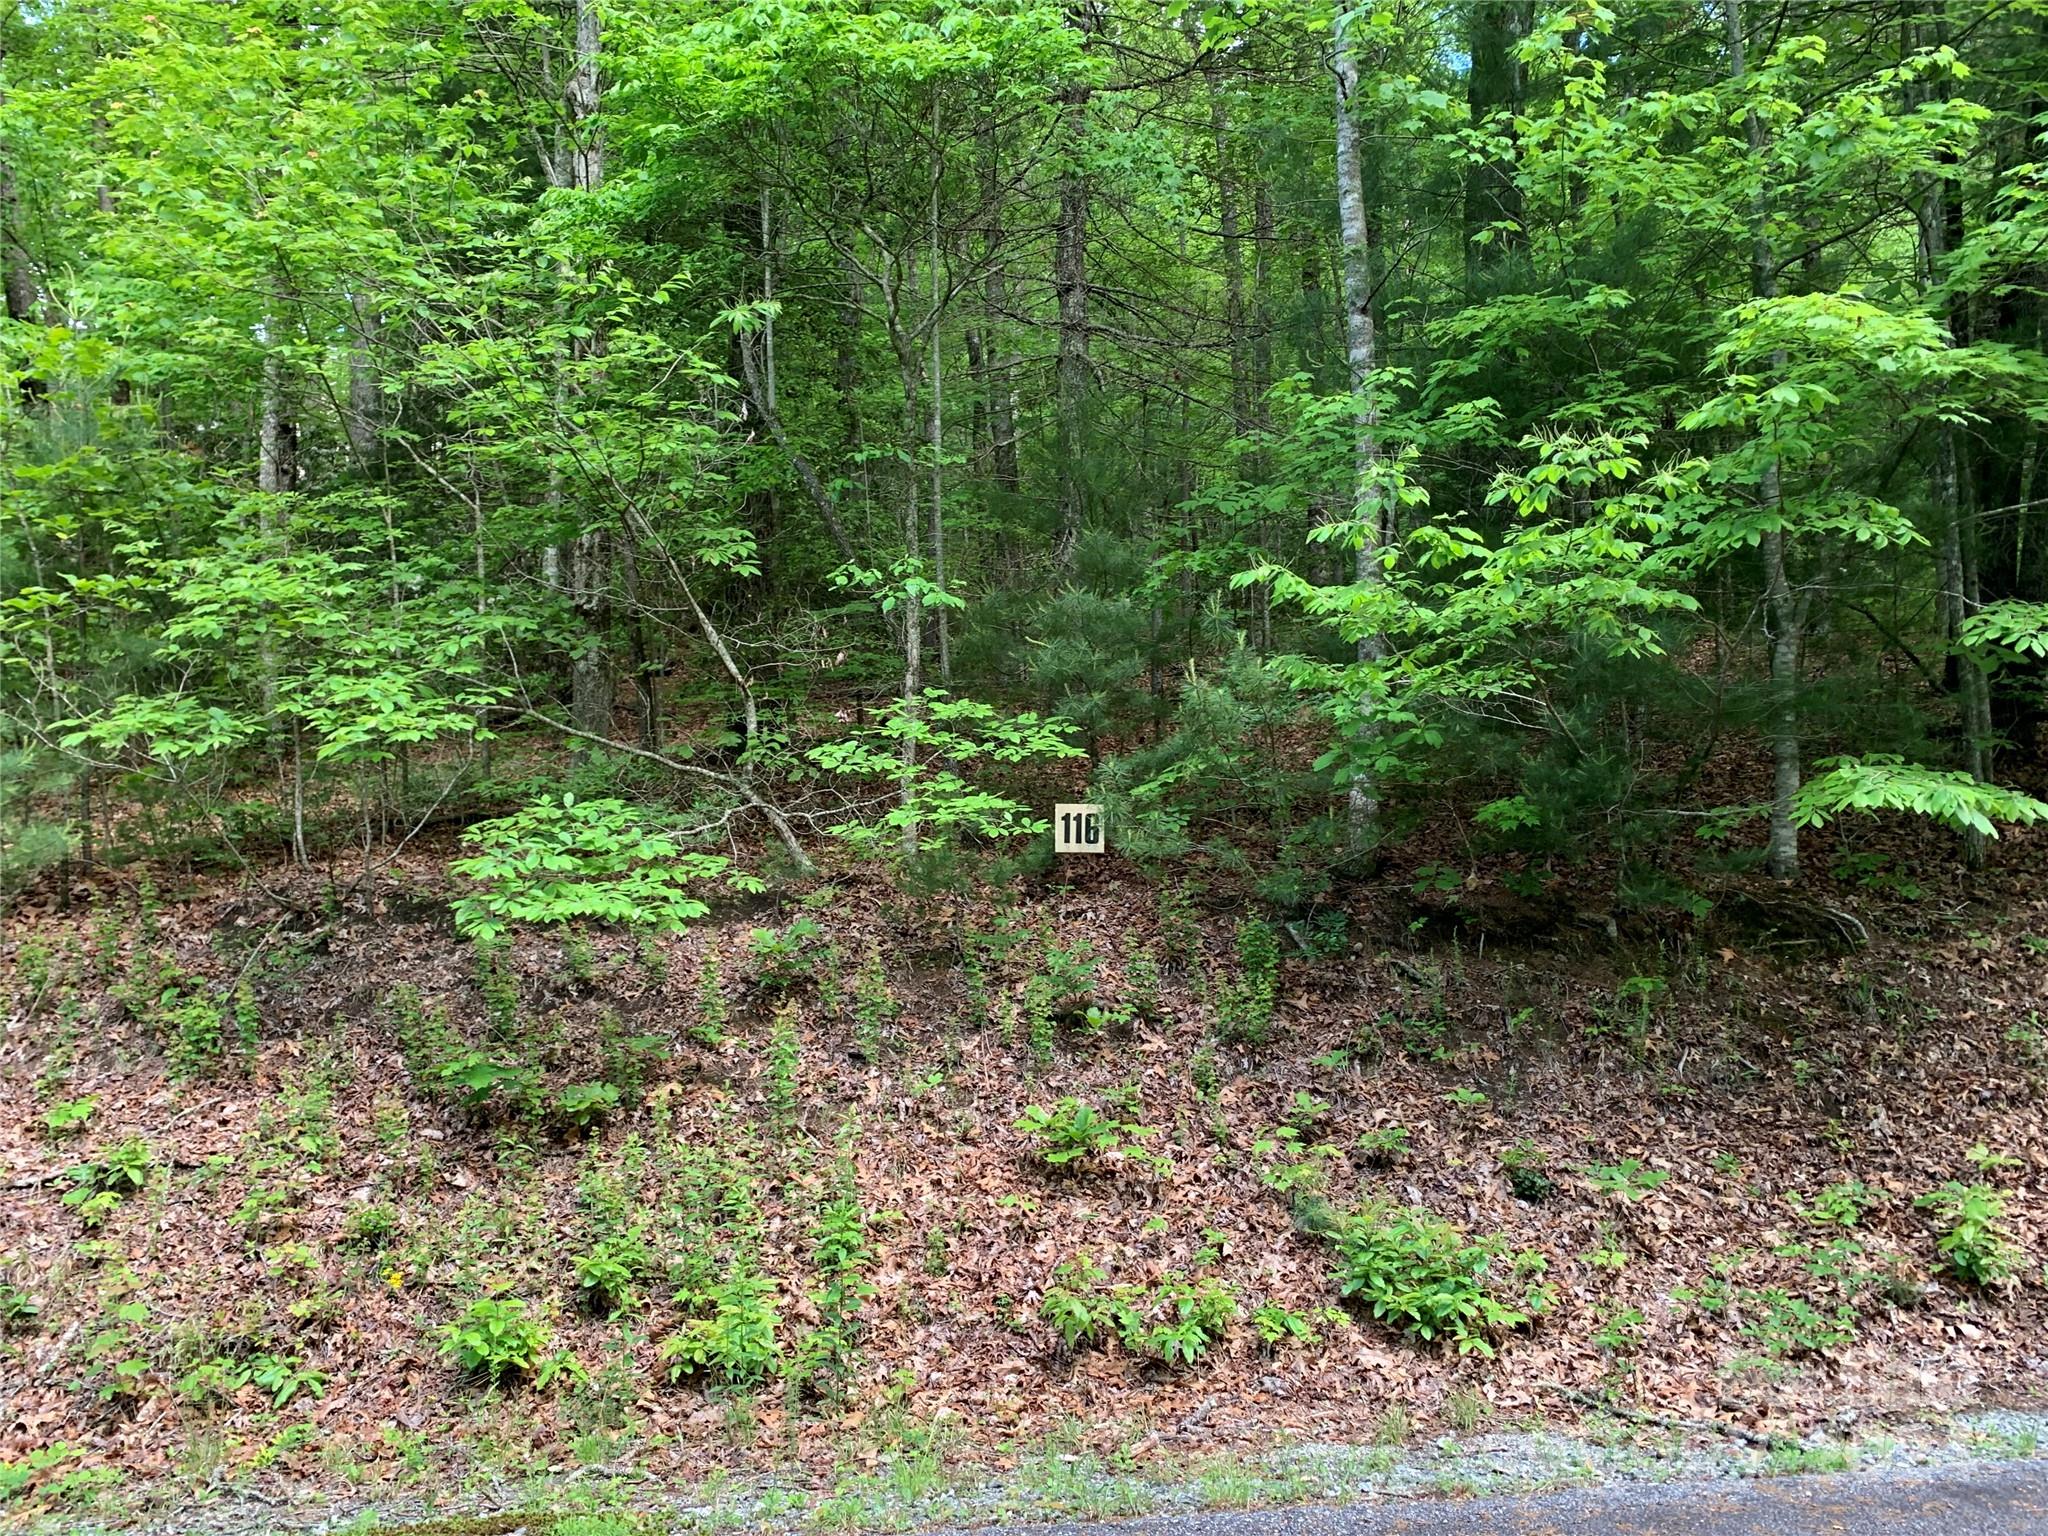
<point x="1974" y="1244"/>
<point x="1277" y="1326"/>
<point x="371" y="1228"/>
<point x="97" y="1187"/>
<point x="476" y="1075"/>
<point x="1244" y="1000"/>
<point x="1293" y="1172"/>
<point x="709" y="1026"/>
<point x="735" y="1334"/>
<point x="1175" y="1321"/>
<point x="1305" y="1111"/>
<point x="1629" y="1181"/>
<point x="1528" y="1178"/>
<point x="599" y="861"/>
<point x="874" y="1007"/>
<point x="1417" y="1272"/>
<point x="1839" y="1205"/>
<point x="584" y="1105"/>
<point x="1787" y="1326"/>
<point x="1074" y="1130"/>
<point x="68" y="1116"/>
<point x="607" y="1271"/>
<point x="495" y="1338"/>
<point x="786" y="959"/>
<point x="19" y="1311"/>
<point x="1383" y="1146"/>
<point x="197" y="1035"/>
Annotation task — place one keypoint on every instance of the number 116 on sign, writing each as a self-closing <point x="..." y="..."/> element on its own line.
<point x="1077" y="829"/>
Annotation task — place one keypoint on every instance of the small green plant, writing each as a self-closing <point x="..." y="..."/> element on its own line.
<point x="708" y="1028"/>
<point x="785" y="1059"/>
<point x="842" y="1254"/>
<point x="1244" y="1000"/>
<point x="626" y="1058"/>
<point x="1073" y="1131"/>
<point x="1278" y="1326"/>
<point x="874" y="1007"/>
<point x="579" y="959"/>
<point x="498" y="984"/>
<point x="1607" y="1252"/>
<point x="786" y="958"/>
<point x="1620" y="1331"/>
<point x="1528" y="1175"/>
<point x="733" y="1334"/>
<point x="1175" y="1321"/>
<point x="582" y="861"/>
<point x="196" y="1031"/>
<point x="495" y="1338"/>
<point x="1844" y="1204"/>
<point x="1974" y="1243"/>
<point x="1986" y="1161"/>
<point x="1417" y="1272"/>
<point x="248" y="1019"/>
<point x="1305" y="1111"/>
<point x="370" y="1228"/>
<point x="19" y="1311"/>
<point x="1629" y="1181"/>
<point x="1785" y="1326"/>
<point x="67" y="1117"/>
<point x="476" y="1076"/>
<point x="1466" y="1098"/>
<point x="607" y="1271"/>
<point x="1073" y="1304"/>
<point x="98" y="1187"/>
<point x="1466" y="1410"/>
<point x="1296" y="1173"/>
<point x="584" y="1105"/>
<point x="1384" y="1146"/>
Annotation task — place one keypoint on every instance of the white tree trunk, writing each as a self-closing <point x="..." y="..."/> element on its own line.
<point x="1362" y="350"/>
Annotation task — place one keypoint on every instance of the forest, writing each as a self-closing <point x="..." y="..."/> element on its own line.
<point x="559" y="556"/>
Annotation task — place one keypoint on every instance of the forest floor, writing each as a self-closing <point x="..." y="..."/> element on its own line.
<point x="262" y="1317"/>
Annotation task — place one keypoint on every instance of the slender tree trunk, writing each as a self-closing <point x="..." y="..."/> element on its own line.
<point x="913" y="623"/>
<point x="937" y="435"/>
<point x="1232" y="249"/>
<point x="1262" y="299"/>
<point x="1493" y="85"/>
<point x="1070" y="282"/>
<point x="1002" y="360"/>
<point x="1783" y="609"/>
<point x="1362" y="351"/>
<point x="586" y="561"/>
<point x="1957" y="552"/>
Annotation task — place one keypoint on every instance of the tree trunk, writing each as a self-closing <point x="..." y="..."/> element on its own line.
<point x="1070" y="282"/>
<point x="1785" y="613"/>
<point x="1362" y="352"/>
<point x="1232" y="250"/>
<point x="1494" y="85"/>
<point x="937" y="434"/>
<point x="585" y="562"/>
<point x="1002" y="361"/>
<point x="1956" y="541"/>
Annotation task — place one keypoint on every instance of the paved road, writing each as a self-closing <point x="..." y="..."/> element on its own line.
<point x="1971" y="1500"/>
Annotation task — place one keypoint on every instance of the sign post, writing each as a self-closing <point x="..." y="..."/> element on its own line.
<point x="1078" y="829"/>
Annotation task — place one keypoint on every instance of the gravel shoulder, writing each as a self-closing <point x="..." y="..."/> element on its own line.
<point x="1983" y="1473"/>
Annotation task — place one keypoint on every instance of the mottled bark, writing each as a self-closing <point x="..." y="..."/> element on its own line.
<point x="1784" y="610"/>
<point x="1362" y="355"/>
<point x="1070" y="281"/>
